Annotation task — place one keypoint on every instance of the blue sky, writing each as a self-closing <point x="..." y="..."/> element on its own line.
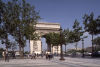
<point x="65" y="12"/>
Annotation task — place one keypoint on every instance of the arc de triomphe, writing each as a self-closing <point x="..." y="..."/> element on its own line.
<point x="42" y="29"/>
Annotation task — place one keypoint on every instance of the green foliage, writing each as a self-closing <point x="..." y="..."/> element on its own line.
<point x="52" y="38"/>
<point x="77" y="31"/>
<point x="75" y="35"/>
<point x="98" y="24"/>
<point x="91" y="24"/>
<point x="1" y="49"/>
<point x="18" y="19"/>
<point x="55" y="39"/>
<point x="26" y="52"/>
<point x="96" y="41"/>
<point x="66" y="34"/>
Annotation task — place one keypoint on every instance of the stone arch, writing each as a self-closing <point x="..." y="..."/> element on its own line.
<point x="42" y="29"/>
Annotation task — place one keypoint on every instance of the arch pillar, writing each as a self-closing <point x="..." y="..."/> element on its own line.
<point x="36" y="46"/>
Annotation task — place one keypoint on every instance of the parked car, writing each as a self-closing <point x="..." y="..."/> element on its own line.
<point x="17" y="54"/>
<point x="87" y="54"/>
<point x="96" y="54"/>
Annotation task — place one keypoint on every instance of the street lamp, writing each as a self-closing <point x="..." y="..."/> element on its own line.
<point x="61" y="53"/>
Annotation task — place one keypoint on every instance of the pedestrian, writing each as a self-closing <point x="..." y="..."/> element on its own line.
<point x="28" y="56"/>
<point x="42" y="55"/>
<point x="33" y="55"/>
<point x="46" y="55"/>
<point x="13" y="55"/>
<point x="49" y="57"/>
<point x="37" y="55"/>
<point x="4" y="54"/>
<point x="7" y="57"/>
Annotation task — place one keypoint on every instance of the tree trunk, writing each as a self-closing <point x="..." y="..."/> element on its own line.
<point x="29" y="46"/>
<point x="57" y="50"/>
<point x="92" y="45"/>
<point x="20" y="51"/>
<point x="65" y="49"/>
<point x="52" y="49"/>
<point x="6" y="49"/>
<point x="61" y="54"/>
<point x="7" y="43"/>
<point x="76" y="46"/>
<point x="23" y="52"/>
<point x="49" y="47"/>
<point x="83" y="48"/>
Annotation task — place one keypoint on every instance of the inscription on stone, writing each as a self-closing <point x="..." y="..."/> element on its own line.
<point x="35" y="46"/>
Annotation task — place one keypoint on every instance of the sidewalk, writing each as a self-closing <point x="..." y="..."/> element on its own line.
<point x="79" y="62"/>
<point x="42" y="62"/>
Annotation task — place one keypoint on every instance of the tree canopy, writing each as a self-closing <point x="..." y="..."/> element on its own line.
<point x="18" y="19"/>
<point x="96" y="41"/>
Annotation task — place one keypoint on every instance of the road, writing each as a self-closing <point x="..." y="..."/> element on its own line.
<point x="42" y="62"/>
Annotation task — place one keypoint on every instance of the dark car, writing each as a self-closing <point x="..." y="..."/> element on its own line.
<point x="96" y="54"/>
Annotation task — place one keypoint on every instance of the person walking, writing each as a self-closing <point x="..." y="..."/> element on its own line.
<point x="13" y="55"/>
<point x="46" y="55"/>
<point x="33" y="55"/>
<point x="4" y="54"/>
<point x="7" y="56"/>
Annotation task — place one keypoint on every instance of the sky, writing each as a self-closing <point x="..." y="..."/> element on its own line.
<point x="65" y="12"/>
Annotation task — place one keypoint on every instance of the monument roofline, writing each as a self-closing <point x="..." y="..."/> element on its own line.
<point x="47" y="23"/>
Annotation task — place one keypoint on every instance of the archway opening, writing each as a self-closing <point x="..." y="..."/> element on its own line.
<point x="44" y="44"/>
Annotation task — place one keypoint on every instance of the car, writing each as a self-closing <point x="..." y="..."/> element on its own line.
<point x="87" y="54"/>
<point x="96" y="54"/>
<point x="17" y="54"/>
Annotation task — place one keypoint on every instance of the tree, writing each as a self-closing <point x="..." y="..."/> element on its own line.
<point x="98" y="24"/>
<point x="77" y="32"/>
<point x="25" y="26"/>
<point x="96" y="41"/>
<point x="61" y="42"/>
<point x="18" y="20"/>
<point x="91" y="26"/>
<point x="5" y="21"/>
<point x="1" y="10"/>
<point x="48" y="38"/>
<point x="82" y="39"/>
<point x="52" y="39"/>
<point x="55" y="39"/>
<point x="13" y="45"/>
<point x="66" y="34"/>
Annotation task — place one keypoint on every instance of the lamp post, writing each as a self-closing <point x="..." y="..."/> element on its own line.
<point x="61" y="53"/>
